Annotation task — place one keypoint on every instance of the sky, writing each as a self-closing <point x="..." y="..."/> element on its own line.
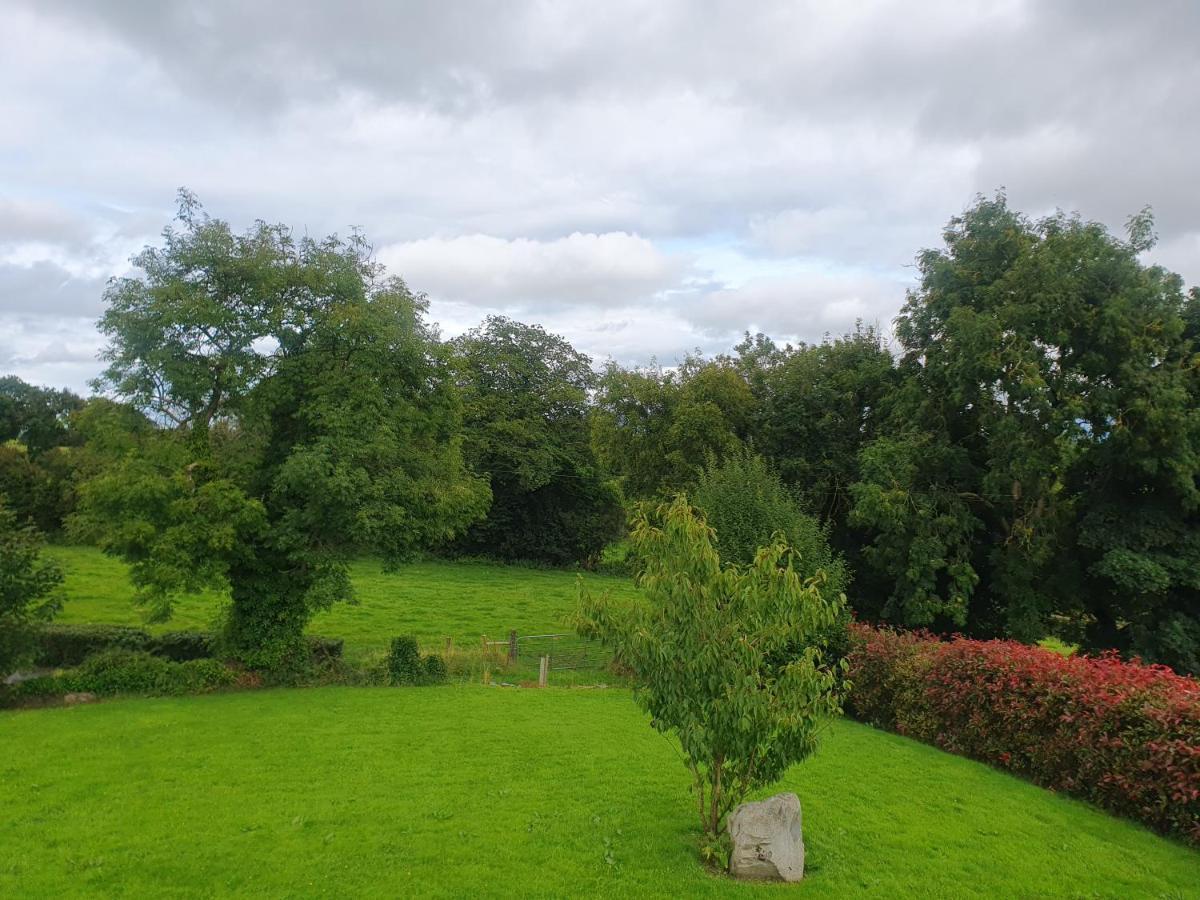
<point x="645" y="178"/>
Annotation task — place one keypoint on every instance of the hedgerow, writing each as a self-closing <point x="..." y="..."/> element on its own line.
<point x="61" y="646"/>
<point x="1122" y="735"/>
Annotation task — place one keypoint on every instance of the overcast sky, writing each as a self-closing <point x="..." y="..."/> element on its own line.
<point x="645" y="178"/>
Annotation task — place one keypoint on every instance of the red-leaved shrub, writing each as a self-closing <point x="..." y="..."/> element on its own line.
<point x="1122" y="735"/>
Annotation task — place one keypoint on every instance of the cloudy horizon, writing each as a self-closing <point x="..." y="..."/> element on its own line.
<point x="646" y="180"/>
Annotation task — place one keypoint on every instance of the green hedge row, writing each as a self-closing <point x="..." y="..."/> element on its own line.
<point x="123" y="671"/>
<point x="63" y="646"/>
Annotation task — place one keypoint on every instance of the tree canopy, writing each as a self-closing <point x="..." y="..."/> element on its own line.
<point x="312" y="415"/>
<point x="525" y="401"/>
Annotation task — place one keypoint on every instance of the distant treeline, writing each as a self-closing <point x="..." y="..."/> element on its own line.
<point x="1024" y="461"/>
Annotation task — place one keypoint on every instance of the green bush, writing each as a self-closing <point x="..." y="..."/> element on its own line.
<point x="435" y="669"/>
<point x="405" y="664"/>
<point x="198" y="676"/>
<point x="747" y="506"/>
<point x="404" y="660"/>
<point x="122" y="672"/>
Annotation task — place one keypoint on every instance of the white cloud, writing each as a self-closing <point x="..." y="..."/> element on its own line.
<point x="600" y="270"/>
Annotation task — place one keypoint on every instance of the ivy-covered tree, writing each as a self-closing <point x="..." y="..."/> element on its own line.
<point x="308" y="413"/>
<point x="525" y="405"/>
<point x="729" y="659"/>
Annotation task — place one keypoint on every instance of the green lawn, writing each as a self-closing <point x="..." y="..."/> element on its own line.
<point x="432" y="600"/>
<point x="470" y="791"/>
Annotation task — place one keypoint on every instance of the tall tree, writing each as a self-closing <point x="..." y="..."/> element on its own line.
<point x="656" y="428"/>
<point x="37" y="417"/>
<point x="820" y="405"/>
<point x="310" y="414"/>
<point x="1043" y="454"/>
<point x="525" y="401"/>
<point x="29" y="589"/>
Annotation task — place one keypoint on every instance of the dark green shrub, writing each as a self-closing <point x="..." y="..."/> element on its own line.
<point x="123" y="672"/>
<point x="182" y="646"/>
<point x="198" y="676"/>
<point x="404" y="661"/>
<point x="63" y="646"/>
<point x="69" y="645"/>
<point x="435" y="669"/>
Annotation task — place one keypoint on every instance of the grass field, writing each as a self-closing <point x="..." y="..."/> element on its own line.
<point x="470" y="791"/>
<point x="432" y="600"/>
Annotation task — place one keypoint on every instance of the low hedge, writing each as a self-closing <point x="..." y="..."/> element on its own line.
<point x="120" y="671"/>
<point x="70" y="645"/>
<point x="1122" y="735"/>
<point x="63" y="646"/>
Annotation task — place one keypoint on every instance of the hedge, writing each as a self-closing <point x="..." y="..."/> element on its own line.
<point x="122" y="671"/>
<point x="1122" y="735"/>
<point x="62" y="646"/>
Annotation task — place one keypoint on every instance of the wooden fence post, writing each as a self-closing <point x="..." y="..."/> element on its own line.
<point x="543" y="671"/>
<point x="512" y="646"/>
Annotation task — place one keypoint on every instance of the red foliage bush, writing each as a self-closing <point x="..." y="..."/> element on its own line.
<point x="1122" y="735"/>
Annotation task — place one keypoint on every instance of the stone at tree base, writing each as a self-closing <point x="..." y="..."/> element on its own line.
<point x="766" y="839"/>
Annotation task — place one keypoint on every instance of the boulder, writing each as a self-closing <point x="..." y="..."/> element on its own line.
<point x="81" y="697"/>
<point x="765" y="839"/>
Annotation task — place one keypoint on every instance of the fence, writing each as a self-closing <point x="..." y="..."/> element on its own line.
<point x="550" y="652"/>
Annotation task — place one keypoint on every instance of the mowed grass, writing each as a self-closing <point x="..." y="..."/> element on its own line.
<point x="468" y="791"/>
<point x="431" y="600"/>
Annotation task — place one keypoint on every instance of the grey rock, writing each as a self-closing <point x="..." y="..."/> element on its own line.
<point x="766" y="839"/>
<point x="81" y="697"/>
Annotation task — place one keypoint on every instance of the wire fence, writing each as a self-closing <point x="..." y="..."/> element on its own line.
<point x="561" y="651"/>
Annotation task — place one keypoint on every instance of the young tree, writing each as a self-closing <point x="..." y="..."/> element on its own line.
<point x="729" y="659"/>
<point x="309" y="414"/>
<point x="29" y="589"/>
<point x="525" y="407"/>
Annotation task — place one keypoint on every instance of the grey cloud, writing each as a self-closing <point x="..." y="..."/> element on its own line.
<point x="473" y="140"/>
<point x="45" y="289"/>
<point x="24" y="221"/>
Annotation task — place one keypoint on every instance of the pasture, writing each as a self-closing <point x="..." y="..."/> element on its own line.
<point x="469" y="790"/>
<point x="431" y="600"/>
<point x="491" y="792"/>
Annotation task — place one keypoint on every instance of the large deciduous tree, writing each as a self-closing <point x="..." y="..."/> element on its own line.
<point x="1042" y="457"/>
<point x="656" y="428"/>
<point x="309" y="413"/>
<point x="37" y="417"/>
<point x="525" y="402"/>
